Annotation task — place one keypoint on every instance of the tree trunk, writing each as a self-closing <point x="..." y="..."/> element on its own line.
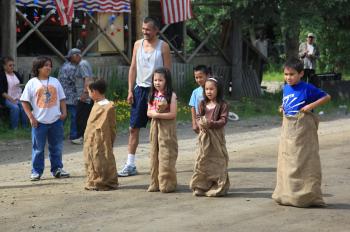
<point x="8" y="28"/>
<point x="292" y="41"/>
<point x="236" y="48"/>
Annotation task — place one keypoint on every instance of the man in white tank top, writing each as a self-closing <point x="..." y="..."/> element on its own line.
<point x="149" y="53"/>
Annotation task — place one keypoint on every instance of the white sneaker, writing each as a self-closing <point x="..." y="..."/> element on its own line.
<point x="60" y="173"/>
<point x="78" y="141"/>
<point x="35" y="177"/>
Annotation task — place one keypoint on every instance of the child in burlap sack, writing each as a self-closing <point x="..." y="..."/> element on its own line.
<point x="299" y="167"/>
<point x="100" y="133"/>
<point x="210" y="177"/>
<point x="162" y="107"/>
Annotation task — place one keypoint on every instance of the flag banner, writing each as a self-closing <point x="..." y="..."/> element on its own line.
<point x="113" y="6"/>
<point x="65" y="9"/>
<point x="176" y="11"/>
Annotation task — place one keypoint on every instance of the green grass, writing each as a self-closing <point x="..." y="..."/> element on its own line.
<point x="273" y="76"/>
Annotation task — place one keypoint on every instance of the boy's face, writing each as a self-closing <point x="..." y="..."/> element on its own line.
<point x="291" y="76"/>
<point x="93" y="94"/>
<point x="200" y="77"/>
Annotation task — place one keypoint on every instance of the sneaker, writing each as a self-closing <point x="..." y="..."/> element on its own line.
<point x="127" y="171"/>
<point x="35" y="177"/>
<point x="78" y="141"/>
<point x="60" y="173"/>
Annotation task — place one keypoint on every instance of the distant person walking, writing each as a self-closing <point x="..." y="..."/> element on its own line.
<point x="309" y="53"/>
<point x="149" y="53"/>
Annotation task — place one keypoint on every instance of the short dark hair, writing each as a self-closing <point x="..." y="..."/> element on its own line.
<point x="202" y="68"/>
<point x="294" y="63"/>
<point x="99" y="85"/>
<point x="38" y="63"/>
<point x="6" y="59"/>
<point x="153" y="20"/>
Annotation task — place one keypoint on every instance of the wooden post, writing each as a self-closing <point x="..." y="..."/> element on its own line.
<point x="8" y="28"/>
<point x="237" y="72"/>
<point x="141" y="13"/>
<point x="129" y="36"/>
<point x="184" y="35"/>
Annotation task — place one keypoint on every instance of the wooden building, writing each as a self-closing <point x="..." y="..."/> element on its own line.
<point x="108" y="44"/>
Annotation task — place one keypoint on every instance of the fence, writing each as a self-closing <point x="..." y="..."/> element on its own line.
<point x="183" y="81"/>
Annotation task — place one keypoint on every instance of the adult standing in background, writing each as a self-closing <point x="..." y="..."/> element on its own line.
<point x="66" y="77"/>
<point x="149" y="53"/>
<point x="82" y="76"/>
<point x="10" y="93"/>
<point x="309" y="53"/>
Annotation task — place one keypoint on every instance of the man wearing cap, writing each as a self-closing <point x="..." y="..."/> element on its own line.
<point x="309" y="53"/>
<point x="82" y="75"/>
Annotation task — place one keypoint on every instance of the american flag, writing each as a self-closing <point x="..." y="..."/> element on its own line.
<point x="176" y="11"/>
<point x="65" y="9"/>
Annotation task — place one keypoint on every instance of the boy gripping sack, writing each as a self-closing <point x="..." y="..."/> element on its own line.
<point x="299" y="168"/>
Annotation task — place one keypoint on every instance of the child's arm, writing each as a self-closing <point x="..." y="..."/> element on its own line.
<point x="63" y="109"/>
<point x="28" y="110"/>
<point x="169" y="115"/>
<point x="315" y="104"/>
<point x="194" y="120"/>
<point x="221" y="122"/>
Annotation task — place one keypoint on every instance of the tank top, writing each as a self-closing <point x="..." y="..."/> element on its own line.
<point x="147" y="62"/>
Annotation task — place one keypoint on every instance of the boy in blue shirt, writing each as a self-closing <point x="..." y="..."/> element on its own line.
<point x="299" y="167"/>
<point x="201" y="73"/>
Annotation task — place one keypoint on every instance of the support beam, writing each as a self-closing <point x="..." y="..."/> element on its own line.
<point x="31" y="31"/>
<point x="8" y="28"/>
<point x="141" y="12"/>
<point x="109" y="39"/>
<point x="42" y="37"/>
<point x="172" y="46"/>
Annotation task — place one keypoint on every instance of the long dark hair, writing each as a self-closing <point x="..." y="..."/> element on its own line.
<point x="168" y="86"/>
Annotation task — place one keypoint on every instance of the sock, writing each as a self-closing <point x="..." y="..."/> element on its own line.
<point x="131" y="160"/>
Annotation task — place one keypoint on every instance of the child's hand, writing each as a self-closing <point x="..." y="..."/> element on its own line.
<point x="153" y="114"/>
<point x="33" y="122"/>
<point x="306" y="108"/>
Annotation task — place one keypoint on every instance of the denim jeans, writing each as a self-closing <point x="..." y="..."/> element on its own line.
<point x="54" y="134"/>
<point x="16" y="113"/>
<point x="72" y="111"/>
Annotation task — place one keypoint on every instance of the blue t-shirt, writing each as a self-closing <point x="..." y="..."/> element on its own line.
<point x="297" y="96"/>
<point x="196" y="98"/>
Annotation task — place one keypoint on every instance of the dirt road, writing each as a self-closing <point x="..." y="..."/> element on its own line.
<point x="62" y="204"/>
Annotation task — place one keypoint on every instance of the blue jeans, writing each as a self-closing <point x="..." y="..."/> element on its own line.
<point x="16" y="113"/>
<point x="54" y="134"/>
<point x="72" y="111"/>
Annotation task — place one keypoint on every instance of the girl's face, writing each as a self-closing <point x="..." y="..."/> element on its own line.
<point x="211" y="90"/>
<point x="46" y="69"/>
<point x="159" y="82"/>
<point x="9" y="66"/>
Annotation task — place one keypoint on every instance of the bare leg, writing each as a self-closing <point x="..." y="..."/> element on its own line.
<point x="133" y="140"/>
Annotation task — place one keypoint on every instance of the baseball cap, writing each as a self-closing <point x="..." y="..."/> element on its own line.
<point x="72" y="52"/>
<point x="311" y="35"/>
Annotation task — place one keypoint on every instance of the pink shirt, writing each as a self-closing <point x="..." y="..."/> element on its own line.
<point x="158" y="97"/>
<point x="13" y="90"/>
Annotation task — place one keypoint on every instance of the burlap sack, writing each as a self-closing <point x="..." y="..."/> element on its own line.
<point x="299" y="168"/>
<point x="210" y="175"/>
<point x="99" y="136"/>
<point x="163" y="155"/>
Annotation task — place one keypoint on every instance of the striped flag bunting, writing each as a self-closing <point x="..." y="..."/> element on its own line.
<point x="65" y="9"/>
<point x="176" y="11"/>
<point x="113" y="6"/>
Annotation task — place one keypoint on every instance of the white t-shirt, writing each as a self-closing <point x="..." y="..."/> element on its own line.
<point x="44" y="97"/>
